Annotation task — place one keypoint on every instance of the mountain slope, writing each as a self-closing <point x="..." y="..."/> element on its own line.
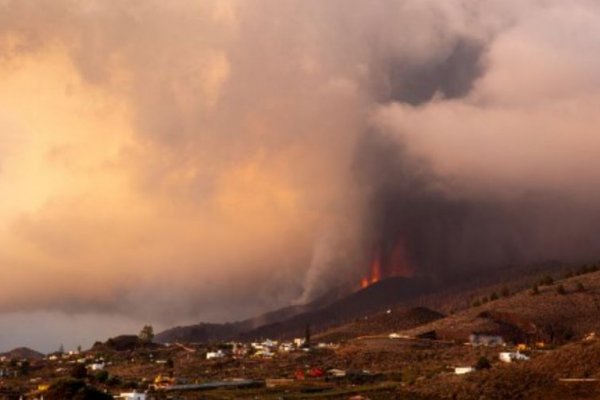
<point x="205" y="332"/>
<point x="22" y="353"/>
<point x="377" y="297"/>
<point x="552" y="315"/>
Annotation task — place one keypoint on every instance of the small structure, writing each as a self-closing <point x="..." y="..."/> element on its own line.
<point x="132" y="396"/>
<point x="96" y="367"/>
<point x="336" y="373"/>
<point x="286" y="347"/>
<point x="478" y="339"/>
<point x="215" y="354"/>
<point x="512" y="356"/>
<point x="463" y="370"/>
<point x="394" y="336"/>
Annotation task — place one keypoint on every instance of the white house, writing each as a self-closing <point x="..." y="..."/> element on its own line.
<point x="215" y="354"/>
<point x="96" y="366"/>
<point x="463" y="370"/>
<point x="510" y="357"/>
<point x="131" y="396"/>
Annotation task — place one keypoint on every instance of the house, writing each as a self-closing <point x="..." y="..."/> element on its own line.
<point x="132" y="396"/>
<point x="286" y="347"/>
<point x="463" y="370"/>
<point x="512" y="356"/>
<point x="269" y="343"/>
<point x="96" y="367"/>
<point x="336" y="373"/>
<point x="479" y="339"/>
<point x="215" y="354"/>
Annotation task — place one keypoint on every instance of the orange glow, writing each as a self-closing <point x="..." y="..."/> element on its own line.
<point x="374" y="275"/>
<point x="364" y="282"/>
<point x="375" y="269"/>
<point x="399" y="260"/>
<point x="393" y="263"/>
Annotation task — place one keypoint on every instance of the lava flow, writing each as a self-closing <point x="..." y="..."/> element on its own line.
<point x="383" y="265"/>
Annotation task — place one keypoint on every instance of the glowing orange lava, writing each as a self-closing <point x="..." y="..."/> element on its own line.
<point x="394" y="262"/>
<point x="375" y="270"/>
<point x="364" y="282"/>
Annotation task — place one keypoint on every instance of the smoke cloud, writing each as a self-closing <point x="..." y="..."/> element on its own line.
<point x="209" y="160"/>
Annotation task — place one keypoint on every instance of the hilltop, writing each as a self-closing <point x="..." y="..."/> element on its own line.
<point x="22" y="353"/>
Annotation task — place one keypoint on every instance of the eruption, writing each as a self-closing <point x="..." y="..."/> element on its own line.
<point x="393" y="262"/>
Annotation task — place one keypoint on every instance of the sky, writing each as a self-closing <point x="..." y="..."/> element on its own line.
<point x="185" y="161"/>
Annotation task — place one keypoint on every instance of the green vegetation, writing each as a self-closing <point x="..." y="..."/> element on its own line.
<point x="494" y="296"/>
<point x="74" y="389"/>
<point x="147" y="334"/>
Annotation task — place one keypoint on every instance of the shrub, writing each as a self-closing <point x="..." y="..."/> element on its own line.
<point x="547" y="281"/>
<point x="494" y="296"/>
<point x="101" y="376"/>
<point x="483" y="363"/>
<point x="580" y="287"/>
<point x="505" y="292"/>
<point x="79" y="371"/>
<point x="534" y="290"/>
<point x="74" y="389"/>
<point x="476" y="303"/>
<point x="561" y="290"/>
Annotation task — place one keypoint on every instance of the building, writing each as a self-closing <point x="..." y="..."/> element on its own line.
<point x="215" y="354"/>
<point x="463" y="370"/>
<point x="478" y="339"/>
<point x="132" y="396"/>
<point x="512" y="356"/>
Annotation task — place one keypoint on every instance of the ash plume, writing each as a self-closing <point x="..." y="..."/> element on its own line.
<point x="209" y="160"/>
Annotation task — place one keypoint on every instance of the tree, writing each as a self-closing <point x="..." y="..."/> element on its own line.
<point x="306" y="343"/>
<point x="101" y="376"/>
<point x="147" y="334"/>
<point x="24" y="367"/>
<point x="79" y="371"/>
<point x="61" y="349"/>
<point x="505" y="292"/>
<point x="483" y="363"/>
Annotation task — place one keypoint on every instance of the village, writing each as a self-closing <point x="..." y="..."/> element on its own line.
<point x="514" y="343"/>
<point x="135" y="368"/>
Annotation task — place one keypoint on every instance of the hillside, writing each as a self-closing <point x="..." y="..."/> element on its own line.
<point x="22" y="353"/>
<point x="206" y="332"/>
<point x="377" y="297"/>
<point x="382" y="323"/>
<point x="548" y="315"/>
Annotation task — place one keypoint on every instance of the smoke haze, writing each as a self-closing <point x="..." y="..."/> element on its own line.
<point x="209" y="160"/>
